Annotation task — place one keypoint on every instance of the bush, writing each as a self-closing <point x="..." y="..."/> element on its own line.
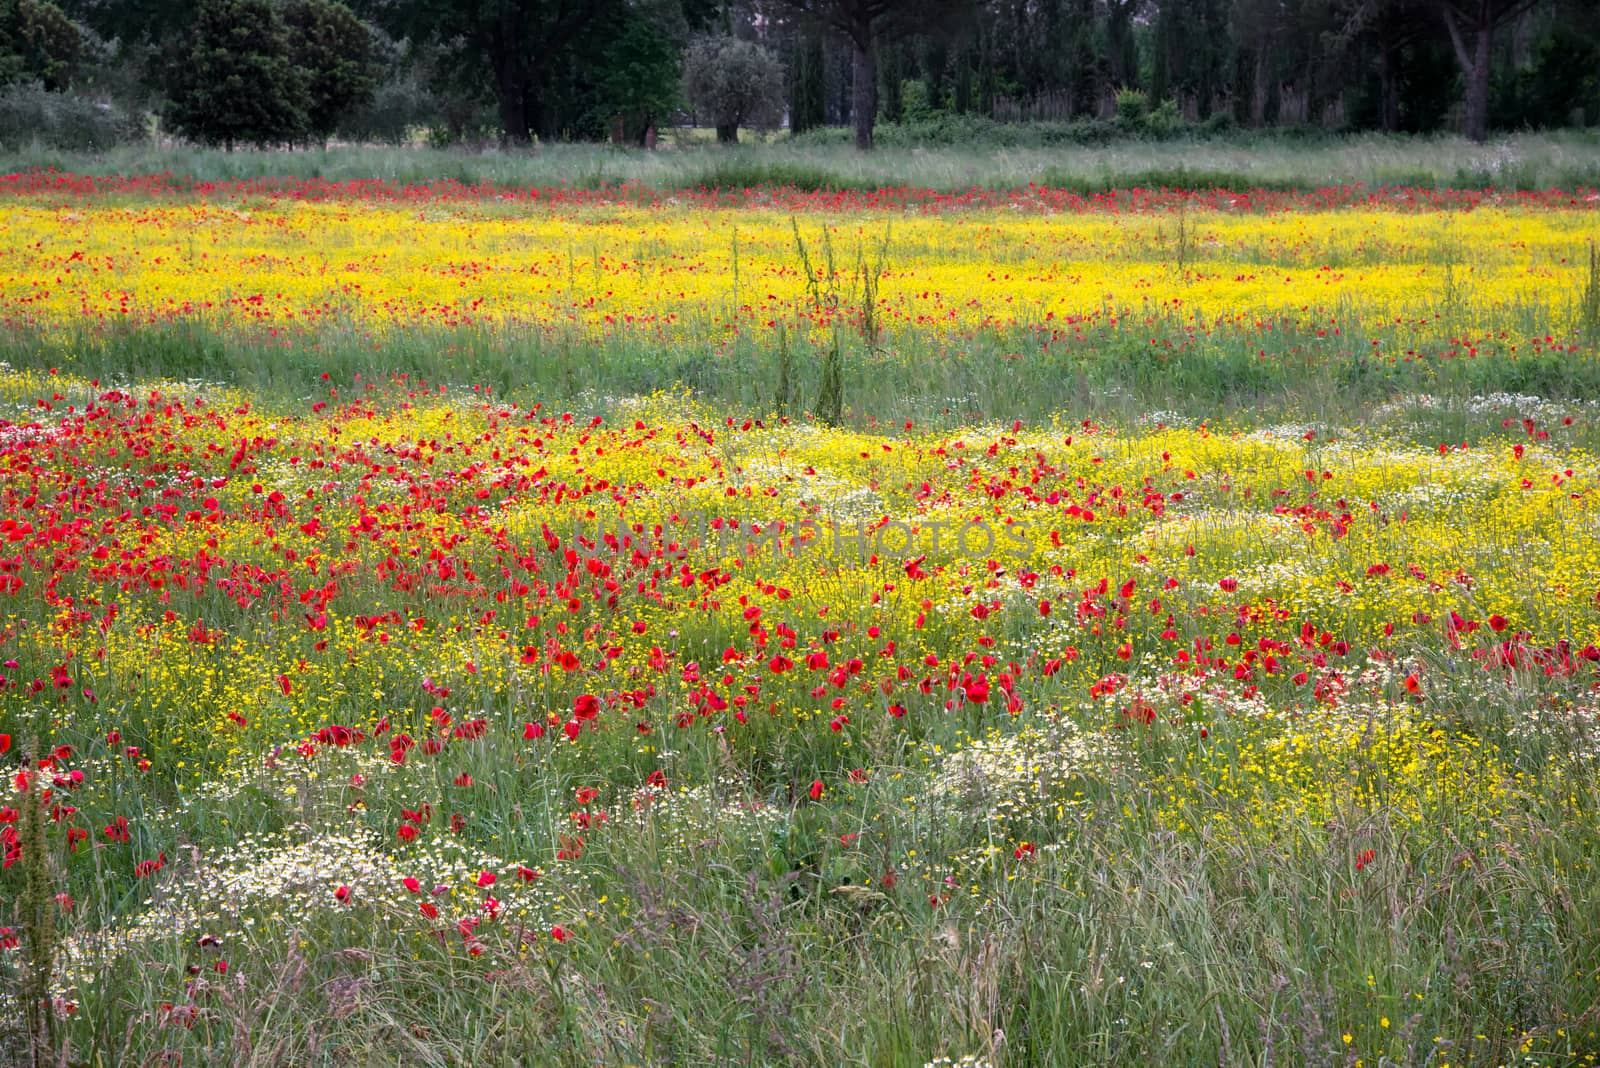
<point x="1165" y="121"/>
<point x="32" y="116"/>
<point x="915" y="103"/>
<point x="1132" y="105"/>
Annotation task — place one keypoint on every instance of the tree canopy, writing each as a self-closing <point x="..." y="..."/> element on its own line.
<point x="553" y="69"/>
<point x="733" y="83"/>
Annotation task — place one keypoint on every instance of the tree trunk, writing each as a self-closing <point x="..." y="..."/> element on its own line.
<point x="511" y="89"/>
<point x="727" y="133"/>
<point x="863" y="93"/>
<point x="1388" y="92"/>
<point x="1477" y="116"/>
<point x="1473" y="56"/>
<point x="1258" y="91"/>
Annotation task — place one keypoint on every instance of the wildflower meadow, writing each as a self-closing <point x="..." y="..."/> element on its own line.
<point x="454" y="624"/>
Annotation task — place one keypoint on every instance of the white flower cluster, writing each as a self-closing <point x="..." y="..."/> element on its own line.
<point x="682" y="818"/>
<point x="1036" y="773"/>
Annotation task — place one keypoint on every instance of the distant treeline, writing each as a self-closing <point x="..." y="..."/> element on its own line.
<point x="230" y="72"/>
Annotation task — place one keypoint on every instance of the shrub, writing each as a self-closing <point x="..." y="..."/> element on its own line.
<point x="1132" y="106"/>
<point x="32" y="116"/>
<point x="1164" y="121"/>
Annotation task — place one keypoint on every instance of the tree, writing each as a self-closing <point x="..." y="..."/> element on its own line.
<point x="636" y="81"/>
<point x="1471" y="25"/>
<point x="866" y="24"/>
<point x="10" y="42"/>
<point x="733" y="83"/>
<point x="1190" y="52"/>
<point x="233" y="80"/>
<point x="808" y="104"/>
<point x="50" y="44"/>
<point x="1392" y="32"/>
<point x="339" y="58"/>
<point x="521" y="43"/>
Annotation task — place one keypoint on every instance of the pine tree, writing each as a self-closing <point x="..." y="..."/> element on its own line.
<point x="339" y="58"/>
<point x="233" y="80"/>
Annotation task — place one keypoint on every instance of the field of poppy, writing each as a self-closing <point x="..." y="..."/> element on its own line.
<point x="438" y="628"/>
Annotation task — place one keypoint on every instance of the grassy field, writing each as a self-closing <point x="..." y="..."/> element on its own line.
<point x="1519" y="161"/>
<point x="458" y="626"/>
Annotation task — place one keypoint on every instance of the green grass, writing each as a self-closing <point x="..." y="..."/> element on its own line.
<point x="1121" y="373"/>
<point x="1518" y="161"/>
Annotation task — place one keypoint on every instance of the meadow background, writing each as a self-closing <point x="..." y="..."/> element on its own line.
<point x="522" y="543"/>
<point x="498" y="617"/>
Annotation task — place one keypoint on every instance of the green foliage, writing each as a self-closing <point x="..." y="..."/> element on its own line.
<point x="1589" y="307"/>
<point x="526" y="55"/>
<point x="31" y="116"/>
<point x="10" y="42"/>
<point x="1132" y="107"/>
<point x="1164" y="120"/>
<point x="402" y="103"/>
<point x="339" y="58"/>
<point x="1560" y="87"/>
<point x="233" y="80"/>
<point x="637" y="81"/>
<point x="732" y="83"/>
<point x="259" y="72"/>
<point x="36" y="914"/>
<point x="807" y="88"/>
<point x="50" y="44"/>
<point x="915" y="104"/>
<point x="564" y="69"/>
